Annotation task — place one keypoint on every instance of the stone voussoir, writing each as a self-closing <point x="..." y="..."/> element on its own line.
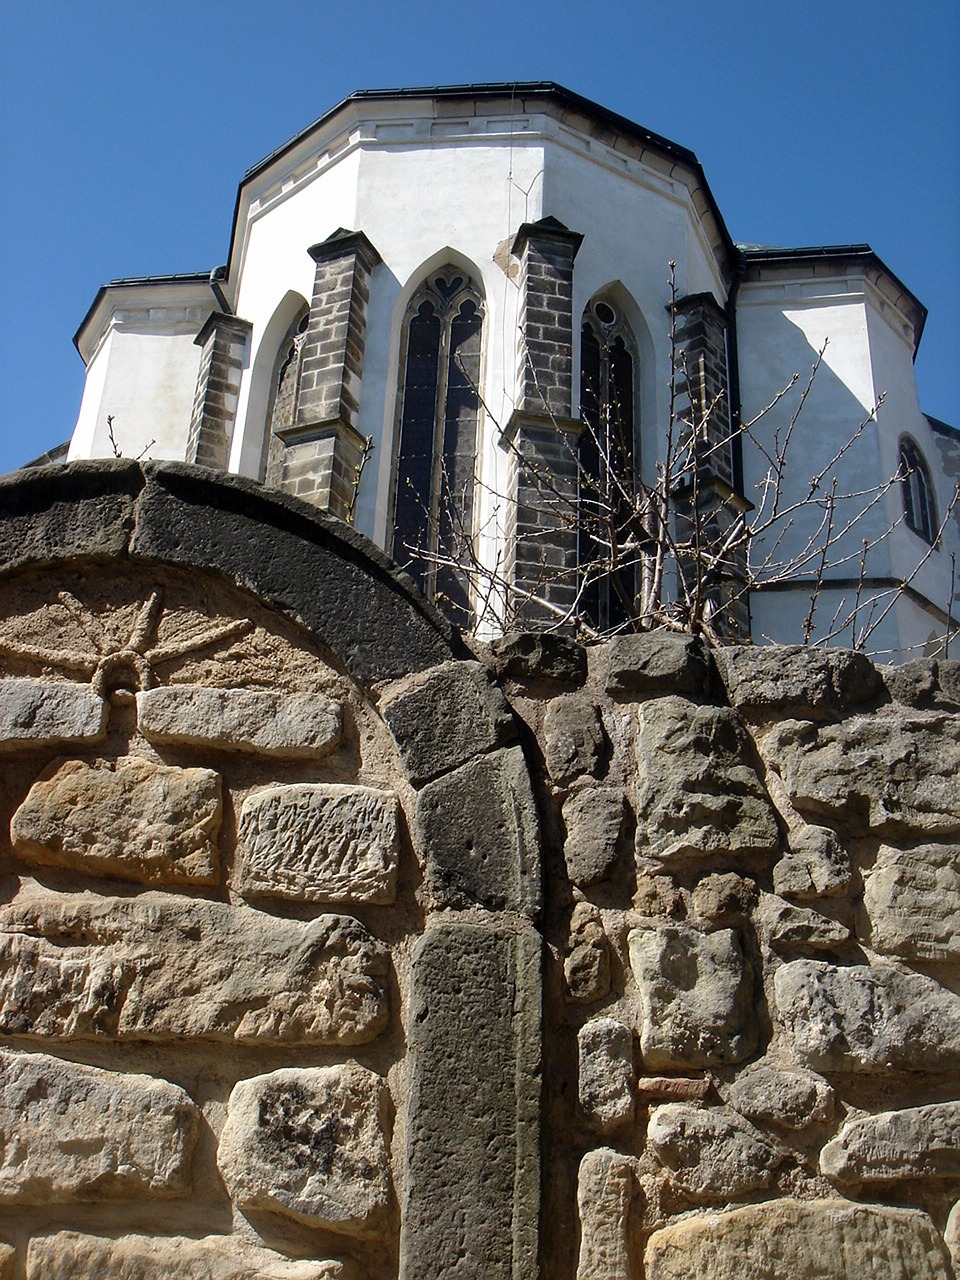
<point x="291" y="726"/>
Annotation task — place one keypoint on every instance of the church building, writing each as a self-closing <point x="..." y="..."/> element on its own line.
<point x="441" y="306"/>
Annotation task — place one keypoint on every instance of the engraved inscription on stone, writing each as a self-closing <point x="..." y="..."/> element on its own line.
<point x="319" y="842"/>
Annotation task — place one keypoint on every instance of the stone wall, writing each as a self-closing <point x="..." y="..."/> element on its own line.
<point x="332" y="949"/>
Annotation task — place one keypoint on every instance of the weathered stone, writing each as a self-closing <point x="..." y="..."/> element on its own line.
<point x="722" y="895"/>
<point x="477" y="831"/>
<point x="318" y="842"/>
<point x="532" y="655"/>
<point x="69" y="1132"/>
<point x="658" y="896"/>
<point x="293" y="726"/>
<point x="309" y="1143"/>
<point x="573" y="738"/>
<point x="822" y="1240"/>
<point x="710" y="1152"/>
<point x="868" y="1018"/>
<point x="129" y="819"/>
<point x="784" y="925"/>
<point x="606" y="1191"/>
<point x="790" y="1099"/>
<point x="796" y="680"/>
<point x="922" y="1142"/>
<point x="71" y="1256"/>
<point x="606" y="1074"/>
<point x="473" y="1128"/>
<point x="697" y="793"/>
<point x="911" y="901"/>
<point x="696" y="997"/>
<point x="37" y="713"/>
<point x="951" y="1235"/>
<point x="893" y="773"/>
<point x="594" y="819"/>
<point x="658" y="662"/>
<point x="8" y="1257"/>
<point x="153" y="967"/>
<point x="586" y="965"/>
<point x="925" y="682"/>
<point x="815" y="866"/>
<point x="452" y="715"/>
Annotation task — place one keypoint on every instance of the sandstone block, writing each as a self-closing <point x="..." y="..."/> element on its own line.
<point x="319" y="842"/>
<point x="698" y="795"/>
<point x="128" y="819"/>
<point x="7" y="1258"/>
<point x="796" y="680"/>
<point x="911" y="902"/>
<point x="473" y="1129"/>
<point x="710" y="1153"/>
<point x="69" y="1132"/>
<point x="71" y="1256"/>
<point x="789" y="1099"/>
<point x="785" y="926"/>
<point x="951" y="1235"/>
<point x="696" y="997"/>
<point x="724" y="895"/>
<point x="38" y="713"/>
<point x="658" y="662"/>
<point x="478" y="832"/>
<point x="606" y="1190"/>
<point x="573" y="738"/>
<point x="309" y="1143"/>
<point x="921" y="1142"/>
<point x="453" y="714"/>
<point x="586" y="965"/>
<point x="531" y="655"/>
<point x="826" y="1239"/>
<point x="292" y="726"/>
<point x="867" y="1018"/>
<point x="606" y="1074"/>
<point x="153" y="966"/>
<point x="594" y="819"/>
<point x="893" y="773"/>
<point x="815" y="866"/>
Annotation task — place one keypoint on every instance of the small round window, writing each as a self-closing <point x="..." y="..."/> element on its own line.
<point x="605" y="313"/>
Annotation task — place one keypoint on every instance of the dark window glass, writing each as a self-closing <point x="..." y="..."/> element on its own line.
<point x="919" y="510"/>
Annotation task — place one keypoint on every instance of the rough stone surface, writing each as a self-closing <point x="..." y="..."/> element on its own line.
<point x="863" y="1018"/>
<point x="710" y="1152"/>
<point x="911" y="900"/>
<point x="786" y="926"/>
<point x="606" y="1074"/>
<point x="473" y="1182"/>
<point x="951" y="1235"/>
<point x="574" y="738"/>
<point x="893" y="773"/>
<point x="820" y="1240"/>
<point x="606" y="1189"/>
<point x="154" y="966"/>
<point x="586" y="965"/>
<point x="69" y="1132"/>
<point x="658" y="662"/>
<point x="289" y="726"/>
<point x="594" y="819"/>
<point x="36" y="713"/>
<point x="925" y="682"/>
<point x="789" y="1099"/>
<point x="922" y="1142"/>
<point x="129" y="819"/>
<point x="696" y="997"/>
<point x="724" y="895"/>
<point x="815" y="866"/>
<point x="478" y="832"/>
<point x="697" y="793"/>
<point x="674" y="1088"/>
<point x="448" y="718"/>
<point x="71" y="1256"/>
<point x="796" y="680"/>
<point x="530" y="655"/>
<point x="309" y="1143"/>
<point x="318" y="842"/>
<point x="7" y="1258"/>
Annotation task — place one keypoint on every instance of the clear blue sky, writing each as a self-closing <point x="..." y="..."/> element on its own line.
<point x="125" y="129"/>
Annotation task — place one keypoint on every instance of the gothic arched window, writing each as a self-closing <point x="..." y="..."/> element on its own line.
<point x="439" y="414"/>
<point x="919" y="508"/>
<point x="609" y="465"/>
<point x="284" y="388"/>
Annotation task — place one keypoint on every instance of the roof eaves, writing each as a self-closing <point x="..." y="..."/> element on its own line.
<point x="129" y="282"/>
